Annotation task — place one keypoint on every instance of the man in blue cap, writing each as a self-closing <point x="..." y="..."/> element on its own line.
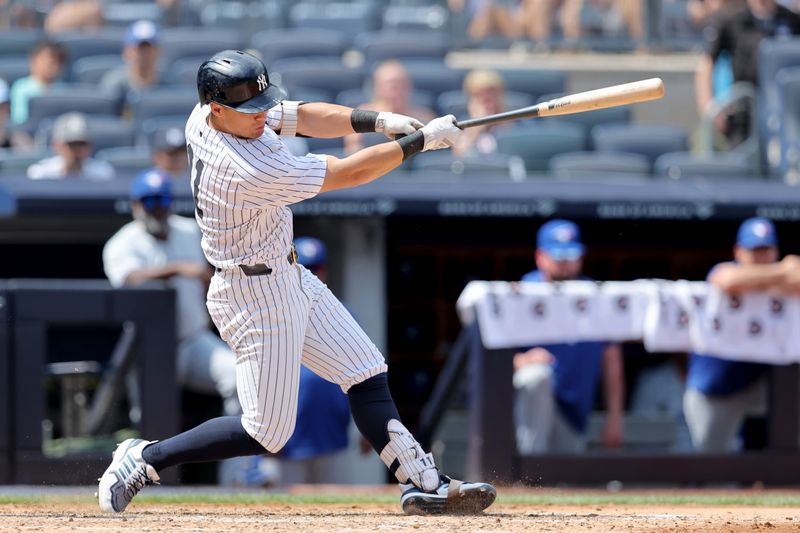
<point x="141" y="51"/>
<point x="555" y="384"/>
<point x="721" y="393"/>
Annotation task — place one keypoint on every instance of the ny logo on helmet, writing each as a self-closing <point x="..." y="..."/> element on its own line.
<point x="262" y="82"/>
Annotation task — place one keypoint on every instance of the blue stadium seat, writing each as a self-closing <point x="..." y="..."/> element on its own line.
<point x="538" y="143"/>
<point x="455" y="102"/>
<point x="650" y="141"/>
<point x="179" y="43"/>
<point x="126" y="159"/>
<point x="308" y="94"/>
<point x="356" y="97"/>
<point x="123" y="14"/>
<point x="85" y="44"/>
<point x="419" y="17"/>
<point x="329" y="76"/>
<point x="82" y="98"/>
<point x="788" y="83"/>
<point x="148" y="127"/>
<point x="183" y="71"/>
<point x="275" y="45"/>
<point x="91" y="69"/>
<point x="104" y="131"/>
<point x="13" y="68"/>
<point x="355" y="17"/>
<point x="15" y="163"/>
<point x="246" y="17"/>
<point x="534" y="82"/>
<point x="402" y="45"/>
<point x="164" y="102"/>
<point x="598" y="165"/>
<point x="485" y="167"/>
<point x="678" y="165"/>
<point x="19" y="41"/>
<point x="433" y="76"/>
<point x="590" y="119"/>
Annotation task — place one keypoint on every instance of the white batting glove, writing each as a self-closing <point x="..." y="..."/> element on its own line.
<point x="441" y="133"/>
<point x="391" y="124"/>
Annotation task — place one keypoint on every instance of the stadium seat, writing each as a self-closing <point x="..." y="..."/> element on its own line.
<point x="678" y="165"/>
<point x="91" y="69"/>
<point x="148" y="127"/>
<point x="84" y="44"/>
<point x="275" y="45"/>
<point x="401" y="45"/>
<point x="650" y="141"/>
<point x="455" y="102"/>
<point x="179" y="43"/>
<point x="82" y="98"/>
<point x="15" y="163"/>
<point x="788" y="83"/>
<point x="433" y="76"/>
<point x="124" y="14"/>
<point x="184" y="71"/>
<point x="163" y="102"/>
<point x="537" y="143"/>
<point x="356" y="97"/>
<point x="19" y="41"/>
<point x="534" y="82"/>
<point x="412" y="18"/>
<point x="484" y="167"/>
<point x="13" y="68"/>
<point x="328" y="76"/>
<point x="247" y="17"/>
<point x="598" y="165"/>
<point x="611" y="115"/>
<point x="126" y="159"/>
<point x="354" y="17"/>
<point x="104" y="131"/>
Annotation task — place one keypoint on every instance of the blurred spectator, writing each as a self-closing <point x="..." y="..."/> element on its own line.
<point x="16" y="14"/>
<point x="555" y="384"/>
<point x="740" y="34"/>
<point x="315" y="452"/>
<point x="610" y="18"/>
<point x="140" y="72"/>
<point x="169" y="151"/>
<point x="160" y="246"/>
<point x="8" y="137"/>
<point x="391" y="92"/>
<point x="46" y="61"/>
<point x="74" y="15"/>
<point x="704" y="12"/>
<point x="485" y="90"/>
<point x="72" y="144"/>
<point x="721" y="393"/>
<point x="488" y="17"/>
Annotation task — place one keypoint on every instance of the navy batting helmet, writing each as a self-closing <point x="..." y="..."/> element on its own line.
<point x="310" y="251"/>
<point x="237" y="80"/>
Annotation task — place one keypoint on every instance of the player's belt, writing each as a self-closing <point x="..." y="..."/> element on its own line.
<point x="261" y="269"/>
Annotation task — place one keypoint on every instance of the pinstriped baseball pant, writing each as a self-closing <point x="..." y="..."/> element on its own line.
<point x="276" y="322"/>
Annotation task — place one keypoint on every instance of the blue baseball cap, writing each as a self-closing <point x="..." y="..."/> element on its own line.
<point x="310" y="251"/>
<point x="561" y="240"/>
<point x="756" y="232"/>
<point x="153" y="182"/>
<point x="142" y="31"/>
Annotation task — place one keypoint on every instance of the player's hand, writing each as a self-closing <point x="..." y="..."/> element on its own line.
<point x="537" y="356"/>
<point x="391" y="124"/>
<point x="191" y="269"/>
<point x="441" y="133"/>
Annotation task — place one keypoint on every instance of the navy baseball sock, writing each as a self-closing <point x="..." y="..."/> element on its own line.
<point x="219" y="438"/>
<point x="372" y="406"/>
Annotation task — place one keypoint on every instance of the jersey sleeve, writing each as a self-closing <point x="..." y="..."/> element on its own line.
<point x="273" y="176"/>
<point x="119" y="260"/>
<point x="282" y="118"/>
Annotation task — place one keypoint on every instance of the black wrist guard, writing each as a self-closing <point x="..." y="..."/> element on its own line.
<point x="363" y="121"/>
<point x="411" y="144"/>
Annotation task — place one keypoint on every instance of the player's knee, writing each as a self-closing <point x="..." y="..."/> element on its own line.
<point x="267" y="434"/>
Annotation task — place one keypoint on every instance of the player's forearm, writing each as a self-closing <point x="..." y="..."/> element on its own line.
<point x="743" y="278"/>
<point x="143" y="275"/>
<point x="362" y="167"/>
<point x="704" y="83"/>
<point x="317" y="119"/>
<point x="614" y="380"/>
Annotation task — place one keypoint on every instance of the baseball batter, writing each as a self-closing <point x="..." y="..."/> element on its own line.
<point x="272" y="312"/>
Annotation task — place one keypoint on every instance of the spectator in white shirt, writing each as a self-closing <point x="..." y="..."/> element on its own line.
<point x="73" y="147"/>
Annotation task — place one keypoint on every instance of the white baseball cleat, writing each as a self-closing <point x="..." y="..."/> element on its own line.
<point x="125" y="476"/>
<point x="451" y="497"/>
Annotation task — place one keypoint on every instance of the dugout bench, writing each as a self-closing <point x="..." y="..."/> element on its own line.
<point x="30" y="310"/>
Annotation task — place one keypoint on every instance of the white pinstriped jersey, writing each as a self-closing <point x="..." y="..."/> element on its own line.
<point x="242" y="188"/>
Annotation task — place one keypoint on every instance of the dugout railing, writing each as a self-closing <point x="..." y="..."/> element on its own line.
<point x="492" y="451"/>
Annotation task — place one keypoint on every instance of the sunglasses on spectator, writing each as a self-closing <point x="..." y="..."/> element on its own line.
<point x="78" y="144"/>
<point x="151" y="203"/>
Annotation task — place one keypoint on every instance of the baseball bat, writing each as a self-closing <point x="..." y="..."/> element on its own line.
<point x="617" y="95"/>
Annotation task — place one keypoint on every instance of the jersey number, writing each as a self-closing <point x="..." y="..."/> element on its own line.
<point x="198" y="171"/>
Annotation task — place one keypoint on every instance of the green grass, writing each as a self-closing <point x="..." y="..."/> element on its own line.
<point x="534" y="498"/>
